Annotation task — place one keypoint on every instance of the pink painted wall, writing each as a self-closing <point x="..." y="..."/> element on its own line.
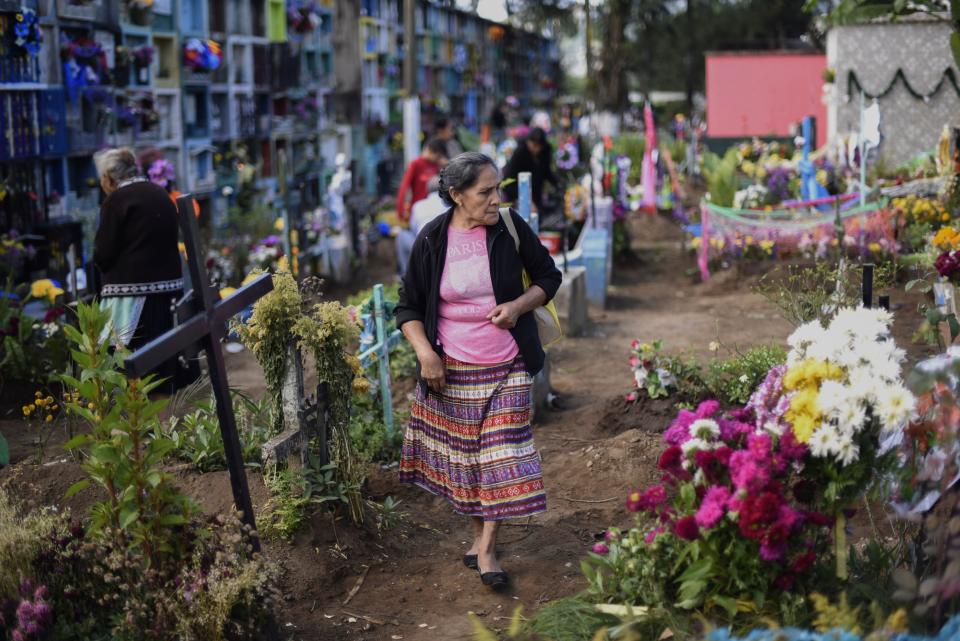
<point x="762" y="94"/>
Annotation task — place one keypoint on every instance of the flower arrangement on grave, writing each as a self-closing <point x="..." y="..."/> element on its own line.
<point x="13" y="254"/>
<point x="650" y="373"/>
<point x="27" y="33"/>
<point x="576" y="202"/>
<point x="84" y="64"/>
<point x="202" y="55"/>
<point x="162" y="172"/>
<point x="31" y="349"/>
<point x="304" y="18"/>
<point x="267" y="252"/>
<point x="142" y="56"/>
<point x="741" y="523"/>
<point x="914" y="209"/>
<point x="567" y="156"/>
<point x="946" y="239"/>
<point x="947" y="265"/>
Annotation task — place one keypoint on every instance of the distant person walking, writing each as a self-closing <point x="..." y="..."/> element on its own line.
<point x="135" y="250"/>
<point x="534" y="154"/>
<point x="465" y="311"/>
<point x="418" y="173"/>
<point x="447" y="132"/>
<point x="422" y="212"/>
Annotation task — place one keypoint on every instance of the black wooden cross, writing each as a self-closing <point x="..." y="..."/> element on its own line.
<point x="206" y="326"/>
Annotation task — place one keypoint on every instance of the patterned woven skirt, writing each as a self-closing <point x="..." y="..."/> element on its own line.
<point x="473" y="443"/>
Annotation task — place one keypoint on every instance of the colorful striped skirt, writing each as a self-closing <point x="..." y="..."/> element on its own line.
<point x="473" y="444"/>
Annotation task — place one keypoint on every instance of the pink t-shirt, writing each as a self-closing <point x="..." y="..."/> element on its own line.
<point x="466" y="297"/>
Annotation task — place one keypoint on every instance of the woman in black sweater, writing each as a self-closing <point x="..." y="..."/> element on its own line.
<point x="136" y="252"/>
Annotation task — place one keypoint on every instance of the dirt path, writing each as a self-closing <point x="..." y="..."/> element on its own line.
<point x="411" y="581"/>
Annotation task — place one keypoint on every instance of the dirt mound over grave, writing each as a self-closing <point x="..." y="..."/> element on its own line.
<point x="645" y="414"/>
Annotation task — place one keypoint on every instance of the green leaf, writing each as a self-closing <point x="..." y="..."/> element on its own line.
<point x="727" y="603"/>
<point x="79" y="486"/>
<point x="173" y="519"/>
<point x="127" y="516"/>
<point x="154" y="477"/>
<point x="77" y="441"/>
<point x="105" y="453"/>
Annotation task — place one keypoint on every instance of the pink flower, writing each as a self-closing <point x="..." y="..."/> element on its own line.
<point x="600" y="548"/>
<point x="648" y="500"/>
<point x="803" y="562"/>
<point x="772" y="552"/>
<point x="652" y="534"/>
<point x="713" y="507"/>
<point x="634" y="361"/>
<point x="790" y="447"/>
<point x="686" y="528"/>
<point x="634" y="344"/>
<point x="631" y="397"/>
<point x="679" y="430"/>
<point x="746" y="474"/>
<point x="610" y="536"/>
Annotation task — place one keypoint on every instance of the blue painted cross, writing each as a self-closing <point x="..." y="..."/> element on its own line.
<point x="374" y="331"/>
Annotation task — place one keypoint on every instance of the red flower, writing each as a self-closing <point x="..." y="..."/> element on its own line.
<point x="671" y="460"/>
<point x="803" y="562"/>
<point x="785" y="582"/>
<point x="687" y="528"/>
<point x="722" y="454"/>
<point x="53" y="314"/>
<point x="757" y="513"/>
<point x="819" y="519"/>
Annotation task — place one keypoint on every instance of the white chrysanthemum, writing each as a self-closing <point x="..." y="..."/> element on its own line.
<point x="833" y="394"/>
<point x="705" y="429"/>
<point x="694" y="445"/>
<point x="863" y="324"/>
<point x="805" y="335"/>
<point x="895" y="406"/>
<point x="850" y="417"/>
<point x="849" y="453"/>
<point x="819" y="443"/>
<point x="862" y="385"/>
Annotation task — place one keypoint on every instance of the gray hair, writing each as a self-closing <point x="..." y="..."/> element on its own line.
<point x="462" y="172"/>
<point x="117" y="164"/>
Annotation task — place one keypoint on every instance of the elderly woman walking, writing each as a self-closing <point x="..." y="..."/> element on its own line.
<point x="464" y="310"/>
<point x="136" y="251"/>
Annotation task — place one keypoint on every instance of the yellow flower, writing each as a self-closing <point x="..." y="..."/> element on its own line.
<point x="278" y="224"/>
<point x="227" y="291"/>
<point x="252" y="276"/>
<point x="38" y="394"/>
<point x="45" y="288"/>
<point x="696" y="242"/>
<point x="803" y="427"/>
<point x="49" y="418"/>
<point x="874" y="247"/>
<point x="26" y="410"/>
<point x="945" y="217"/>
<point x="89" y="406"/>
<point x="749" y="240"/>
<point x="32" y="407"/>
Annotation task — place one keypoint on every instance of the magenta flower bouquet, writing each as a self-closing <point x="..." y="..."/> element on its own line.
<point x="732" y="523"/>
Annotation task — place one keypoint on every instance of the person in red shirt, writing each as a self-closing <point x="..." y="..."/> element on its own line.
<point x="418" y="174"/>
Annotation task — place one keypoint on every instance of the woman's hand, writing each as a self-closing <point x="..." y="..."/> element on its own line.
<point x="432" y="370"/>
<point x="505" y="316"/>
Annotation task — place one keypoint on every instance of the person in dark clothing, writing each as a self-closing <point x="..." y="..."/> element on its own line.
<point x="534" y="154"/>
<point x="136" y="252"/>
<point x="447" y="132"/>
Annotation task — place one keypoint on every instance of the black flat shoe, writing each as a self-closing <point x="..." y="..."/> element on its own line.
<point x="495" y="580"/>
<point x="470" y="560"/>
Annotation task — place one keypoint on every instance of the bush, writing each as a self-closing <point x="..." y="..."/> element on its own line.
<point x="733" y="381"/>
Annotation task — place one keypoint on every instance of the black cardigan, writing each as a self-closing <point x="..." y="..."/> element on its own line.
<point x="135" y="248"/>
<point x="420" y="292"/>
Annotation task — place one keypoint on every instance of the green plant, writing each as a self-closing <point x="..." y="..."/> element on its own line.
<point x="269" y="334"/>
<point x="733" y="381"/>
<point x="633" y="147"/>
<point x="30" y="349"/>
<point x="125" y="449"/>
<point x="199" y="441"/>
<point x="295" y="491"/>
<point x="721" y="175"/>
<point x="22" y="535"/>
<point x="4" y="452"/>
<point x="803" y="293"/>
<point x="649" y="370"/>
<point x="688" y="376"/>
<point x="368" y="434"/>
<point x="388" y="513"/>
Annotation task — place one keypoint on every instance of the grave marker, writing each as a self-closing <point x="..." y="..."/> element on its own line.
<point x="207" y="326"/>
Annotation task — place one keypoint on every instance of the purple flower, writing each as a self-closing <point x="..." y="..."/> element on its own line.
<point x="770" y="552"/>
<point x="600" y="548"/>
